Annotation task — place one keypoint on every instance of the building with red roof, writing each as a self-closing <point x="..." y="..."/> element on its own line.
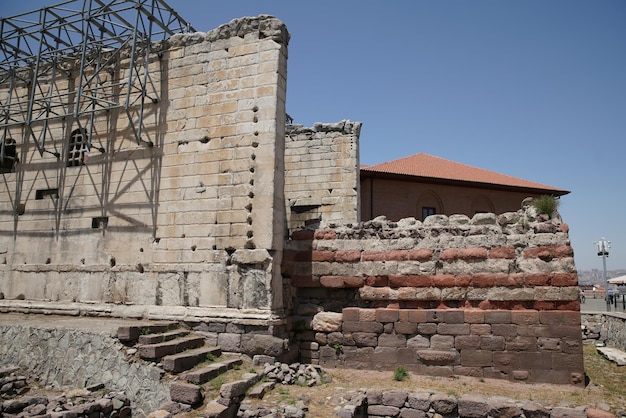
<point x="421" y="184"/>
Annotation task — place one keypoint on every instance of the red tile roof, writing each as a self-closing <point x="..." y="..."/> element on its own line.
<point x="428" y="166"/>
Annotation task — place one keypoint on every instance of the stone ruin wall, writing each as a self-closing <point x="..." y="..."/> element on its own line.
<point x="491" y="296"/>
<point x="174" y="230"/>
<point x="322" y="173"/>
<point x="193" y="228"/>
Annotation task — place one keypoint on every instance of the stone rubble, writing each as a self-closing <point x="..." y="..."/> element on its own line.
<point x="296" y="374"/>
<point x="373" y="403"/>
<point x="77" y="403"/>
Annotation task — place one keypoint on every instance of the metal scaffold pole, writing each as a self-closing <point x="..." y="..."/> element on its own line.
<point x="86" y="42"/>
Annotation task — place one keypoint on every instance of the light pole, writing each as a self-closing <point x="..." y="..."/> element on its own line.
<point x="603" y="251"/>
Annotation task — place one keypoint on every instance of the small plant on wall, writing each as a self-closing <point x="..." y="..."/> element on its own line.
<point x="400" y="373"/>
<point x="546" y="205"/>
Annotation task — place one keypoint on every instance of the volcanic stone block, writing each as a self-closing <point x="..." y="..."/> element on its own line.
<point x="186" y="393"/>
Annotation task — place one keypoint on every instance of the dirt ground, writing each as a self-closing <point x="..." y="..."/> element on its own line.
<point x="605" y="390"/>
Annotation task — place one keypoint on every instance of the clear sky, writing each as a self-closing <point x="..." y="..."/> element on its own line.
<point x="533" y="89"/>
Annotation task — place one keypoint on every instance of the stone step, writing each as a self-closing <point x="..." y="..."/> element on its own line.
<point x="162" y="337"/>
<point x="204" y="374"/>
<point x="259" y="391"/>
<point x="131" y="333"/>
<point x="186" y="360"/>
<point x="186" y="393"/>
<point x="159" y="350"/>
<point x="216" y="410"/>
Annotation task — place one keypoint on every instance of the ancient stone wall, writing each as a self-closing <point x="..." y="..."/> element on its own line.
<point x="492" y="296"/>
<point x="607" y="327"/>
<point x="68" y="358"/>
<point x="193" y="216"/>
<point x="322" y="173"/>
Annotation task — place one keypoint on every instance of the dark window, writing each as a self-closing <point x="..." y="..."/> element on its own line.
<point x="43" y="193"/>
<point x="9" y="158"/>
<point x="427" y="211"/>
<point x="77" y="151"/>
<point x="100" y="222"/>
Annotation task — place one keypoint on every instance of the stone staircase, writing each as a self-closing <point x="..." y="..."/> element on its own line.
<point x="184" y="355"/>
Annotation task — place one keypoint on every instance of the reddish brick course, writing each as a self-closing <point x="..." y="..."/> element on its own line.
<point x="322" y="256"/>
<point x="373" y="256"/>
<point x="377" y="281"/>
<point x="347" y="256"/>
<point x="549" y="252"/>
<point x="420" y="255"/>
<point x="502" y="252"/>
<point x="325" y="234"/>
<point x="409" y="281"/>
<point x="476" y="253"/>
<point x="564" y="279"/>
<point x="443" y="280"/>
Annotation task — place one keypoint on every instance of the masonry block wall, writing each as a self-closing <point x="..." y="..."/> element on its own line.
<point x="322" y="173"/>
<point x="189" y="220"/>
<point x="491" y="296"/>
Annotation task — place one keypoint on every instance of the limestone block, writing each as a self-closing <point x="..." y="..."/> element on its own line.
<point x="327" y="322"/>
<point x="258" y="256"/>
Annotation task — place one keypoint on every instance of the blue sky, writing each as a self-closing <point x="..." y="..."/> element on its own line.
<point x="532" y="89"/>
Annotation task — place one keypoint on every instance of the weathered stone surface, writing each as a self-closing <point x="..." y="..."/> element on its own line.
<point x="327" y="322"/>
<point x="412" y="413"/>
<point x="419" y="400"/>
<point x="374" y="396"/>
<point x="215" y="410"/>
<point x="418" y="342"/>
<point x="234" y="389"/>
<point x="562" y="412"/>
<point x="256" y="256"/>
<point x="186" y="393"/>
<point x="263" y="344"/>
<point x="383" y="410"/>
<point x="443" y="404"/>
<point x="598" y="413"/>
<point x="395" y="398"/>
<point x="473" y="406"/>
<point x="438" y="357"/>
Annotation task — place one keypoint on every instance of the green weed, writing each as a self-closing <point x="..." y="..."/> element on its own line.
<point x="400" y="373"/>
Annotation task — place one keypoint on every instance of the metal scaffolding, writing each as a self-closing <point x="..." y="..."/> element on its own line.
<point x="78" y="59"/>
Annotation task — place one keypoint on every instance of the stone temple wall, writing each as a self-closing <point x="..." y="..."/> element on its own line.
<point x="191" y="225"/>
<point x="492" y="296"/>
<point x="322" y="173"/>
<point x="190" y="222"/>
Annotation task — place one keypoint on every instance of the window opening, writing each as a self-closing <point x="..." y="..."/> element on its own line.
<point x="43" y="193"/>
<point x="9" y="158"/>
<point x="100" y="222"/>
<point x="427" y="211"/>
<point x="77" y="150"/>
